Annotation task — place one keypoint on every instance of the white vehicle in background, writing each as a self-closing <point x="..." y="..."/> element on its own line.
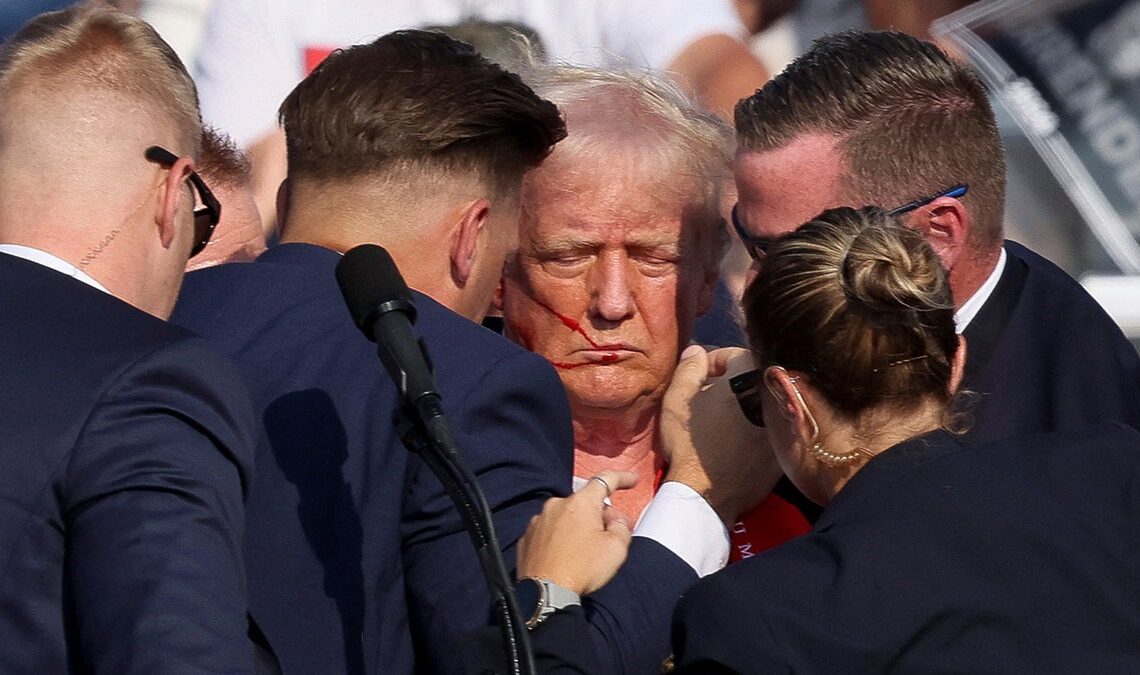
<point x="1064" y="76"/>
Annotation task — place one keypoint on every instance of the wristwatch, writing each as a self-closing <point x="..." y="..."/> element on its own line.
<point x="539" y="598"/>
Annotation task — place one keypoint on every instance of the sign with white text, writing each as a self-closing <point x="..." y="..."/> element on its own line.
<point x="1068" y="73"/>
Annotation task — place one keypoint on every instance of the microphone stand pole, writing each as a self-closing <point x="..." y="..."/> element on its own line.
<point x="424" y="431"/>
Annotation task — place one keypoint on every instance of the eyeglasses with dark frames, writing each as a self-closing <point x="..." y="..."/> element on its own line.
<point x="757" y="247"/>
<point x="955" y="192"/>
<point x="209" y="210"/>
<point x="746" y="388"/>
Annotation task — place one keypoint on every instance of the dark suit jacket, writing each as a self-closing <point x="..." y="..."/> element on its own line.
<point x="938" y="556"/>
<point x="354" y="550"/>
<point x="125" y="455"/>
<point x="1043" y="356"/>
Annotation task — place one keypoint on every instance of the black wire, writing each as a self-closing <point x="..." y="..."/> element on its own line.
<point x="433" y="441"/>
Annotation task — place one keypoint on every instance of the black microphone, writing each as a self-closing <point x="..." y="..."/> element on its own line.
<point x="381" y="306"/>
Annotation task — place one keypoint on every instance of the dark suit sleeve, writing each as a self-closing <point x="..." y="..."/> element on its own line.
<point x="153" y="515"/>
<point x="717" y="630"/>
<point x="624" y="628"/>
<point x="561" y="646"/>
<point x="513" y="431"/>
<point x="630" y="617"/>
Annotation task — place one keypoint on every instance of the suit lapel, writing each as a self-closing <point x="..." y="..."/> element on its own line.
<point x="985" y="330"/>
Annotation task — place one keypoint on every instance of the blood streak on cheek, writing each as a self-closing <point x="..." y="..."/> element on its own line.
<point x="527" y="339"/>
<point x="577" y="328"/>
<point x="568" y="322"/>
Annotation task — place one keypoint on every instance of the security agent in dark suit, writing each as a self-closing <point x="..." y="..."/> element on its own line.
<point x="933" y="553"/>
<point x="884" y="118"/>
<point x="357" y="560"/>
<point x="127" y="443"/>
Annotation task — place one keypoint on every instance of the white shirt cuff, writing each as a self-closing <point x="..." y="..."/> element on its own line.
<point x="682" y="521"/>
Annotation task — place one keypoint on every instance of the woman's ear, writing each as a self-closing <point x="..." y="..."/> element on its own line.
<point x="780" y="385"/>
<point x="787" y="393"/>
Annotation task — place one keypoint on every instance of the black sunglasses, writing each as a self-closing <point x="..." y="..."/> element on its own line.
<point x="746" y="388"/>
<point x="757" y="247"/>
<point x="209" y="211"/>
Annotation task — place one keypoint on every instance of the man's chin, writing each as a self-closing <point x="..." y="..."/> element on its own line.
<point x="598" y="398"/>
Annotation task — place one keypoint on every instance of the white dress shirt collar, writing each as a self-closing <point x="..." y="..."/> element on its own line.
<point x="971" y="307"/>
<point x="48" y="260"/>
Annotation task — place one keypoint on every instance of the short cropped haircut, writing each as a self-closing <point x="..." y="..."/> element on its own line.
<point x="673" y="131"/>
<point x="861" y="304"/>
<point x="222" y="162"/>
<point x="909" y="122"/>
<point x="101" y="49"/>
<point x="414" y="102"/>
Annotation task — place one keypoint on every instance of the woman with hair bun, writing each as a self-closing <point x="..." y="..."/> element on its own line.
<point x="932" y="554"/>
<point x="851" y="325"/>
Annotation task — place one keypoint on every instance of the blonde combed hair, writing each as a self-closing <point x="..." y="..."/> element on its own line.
<point x="602" y="105"/>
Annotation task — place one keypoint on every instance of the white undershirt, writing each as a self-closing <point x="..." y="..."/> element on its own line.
<point x="682" y="521"/>
<point x="971" y="307"/>
<point x="48" y="260"/>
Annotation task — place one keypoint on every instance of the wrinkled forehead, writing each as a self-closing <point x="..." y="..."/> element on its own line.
<point x="639" y="191"/>
<point x="604" y="217"/>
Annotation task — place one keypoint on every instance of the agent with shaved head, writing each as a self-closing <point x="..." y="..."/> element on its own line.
<point x="126" y="452"/>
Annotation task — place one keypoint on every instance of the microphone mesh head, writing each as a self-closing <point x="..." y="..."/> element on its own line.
<point x="370" y="281"/>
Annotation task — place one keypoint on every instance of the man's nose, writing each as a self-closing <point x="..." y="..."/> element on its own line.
<point x="611" y="295"/>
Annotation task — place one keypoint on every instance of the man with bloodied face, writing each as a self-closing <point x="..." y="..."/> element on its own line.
<point x="620" y="237"/>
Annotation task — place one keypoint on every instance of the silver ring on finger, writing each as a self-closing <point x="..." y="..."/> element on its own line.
<point x="609" y="490"/>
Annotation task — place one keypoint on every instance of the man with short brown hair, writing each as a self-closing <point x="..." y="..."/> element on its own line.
<point x="357" y="559"/>
<point x="884" y="118"/>
<point x="416" y="163"/>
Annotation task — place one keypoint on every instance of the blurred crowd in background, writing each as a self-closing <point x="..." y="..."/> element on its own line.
<point x="242" y="81"/>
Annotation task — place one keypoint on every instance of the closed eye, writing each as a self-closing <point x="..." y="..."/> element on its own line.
<point x="657" y="260"/>
<point x="565" y="262"/>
